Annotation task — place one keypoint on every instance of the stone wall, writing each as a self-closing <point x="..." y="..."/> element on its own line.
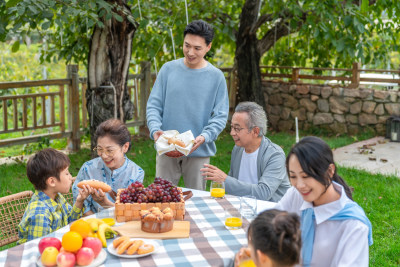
<point x="339" y="110"/>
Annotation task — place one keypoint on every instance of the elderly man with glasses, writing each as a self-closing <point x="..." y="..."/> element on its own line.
<point x="257" y="164"/>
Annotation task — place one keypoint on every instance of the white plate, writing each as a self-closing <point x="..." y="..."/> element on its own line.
<point x="153" y="242"/>
<point x="100" y="259"/>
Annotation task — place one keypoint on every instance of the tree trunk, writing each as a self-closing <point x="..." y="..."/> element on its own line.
<point x="247" y="56"/>
<point x="108" y="64"/>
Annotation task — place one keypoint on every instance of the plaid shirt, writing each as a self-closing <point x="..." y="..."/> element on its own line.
<point x="44" y="215"/>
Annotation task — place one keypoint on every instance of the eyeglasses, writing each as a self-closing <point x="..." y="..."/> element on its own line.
<point x="236" y="129"/>
<point x="107" y="152"/>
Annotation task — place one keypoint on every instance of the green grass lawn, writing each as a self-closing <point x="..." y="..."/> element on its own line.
<point x="377" y="194"/>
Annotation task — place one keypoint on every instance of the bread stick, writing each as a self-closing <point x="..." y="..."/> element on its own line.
<point x="134" y="247"/>
<point x="95" y="184"/>
<point x="124" y="246"/>
<point x="119" y="241"/>
<point x="144" y="249"/>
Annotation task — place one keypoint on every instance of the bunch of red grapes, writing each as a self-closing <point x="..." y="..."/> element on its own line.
<point x="159" y="191"/>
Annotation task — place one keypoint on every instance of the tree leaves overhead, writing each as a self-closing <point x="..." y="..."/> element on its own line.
<point x="158" y="18"/>
<point x="333" y="33"/>
<point x="324" y="33"/>
<point x="63" y="26"/>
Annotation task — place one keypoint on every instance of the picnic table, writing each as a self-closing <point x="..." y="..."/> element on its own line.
<point x="209" y="242"/>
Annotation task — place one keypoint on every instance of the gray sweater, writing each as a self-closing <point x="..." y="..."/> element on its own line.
<point x="185" y="99"/>
<point x="271" y="171"/>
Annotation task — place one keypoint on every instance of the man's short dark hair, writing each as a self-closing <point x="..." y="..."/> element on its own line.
<point x="200" y="28"/>
<point x="44" y="164"/>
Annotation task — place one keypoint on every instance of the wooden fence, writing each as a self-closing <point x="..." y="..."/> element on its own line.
<point x="351" y="76"/>
<point x="70" y="116"/>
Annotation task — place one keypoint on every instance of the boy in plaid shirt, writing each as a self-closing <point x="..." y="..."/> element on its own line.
<point x="48" y="210"/>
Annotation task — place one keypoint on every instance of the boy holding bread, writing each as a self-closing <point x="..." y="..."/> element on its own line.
<point x="48" y="210"/>
<point x="189" y="94"/>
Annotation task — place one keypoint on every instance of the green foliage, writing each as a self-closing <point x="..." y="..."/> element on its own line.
<point x="324" y="33"/>
<point x="31" y="148"/>
<point x="158" y="18"/>
<point x="333" y="33"/>
<point x="66" y="26"/>
<point x="377" y="194"/>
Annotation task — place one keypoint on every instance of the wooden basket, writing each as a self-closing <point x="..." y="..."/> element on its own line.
<point x="125" y="212"/>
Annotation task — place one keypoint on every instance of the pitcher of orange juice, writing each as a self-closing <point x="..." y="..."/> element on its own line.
<point x="217" y="189"/>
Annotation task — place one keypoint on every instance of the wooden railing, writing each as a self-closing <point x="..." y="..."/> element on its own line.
<point x="69" y="114"/>
<point x="33" y="103"/>
<point x="351" y="76"/>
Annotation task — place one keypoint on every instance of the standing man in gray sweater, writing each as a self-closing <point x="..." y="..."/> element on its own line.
<point x="189" y="94"/>
<point x="257" y="164"/>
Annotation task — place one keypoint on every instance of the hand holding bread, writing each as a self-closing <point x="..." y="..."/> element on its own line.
<point x="95" y="184"/>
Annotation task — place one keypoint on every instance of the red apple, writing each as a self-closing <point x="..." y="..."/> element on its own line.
<point x="66" y="259"/>
<point x="84" y="256"/>
<point x="49" y="257"/>
<point x="93" y="243"/>
<point x="49" y="242"/>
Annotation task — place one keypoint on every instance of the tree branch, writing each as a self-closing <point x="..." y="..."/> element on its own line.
<point x="261" y="20"/>
<point x="282" y="29"/>
<point x="225" y="18"/>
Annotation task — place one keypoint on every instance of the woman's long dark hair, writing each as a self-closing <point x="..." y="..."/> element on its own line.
<point x="315" y="156"/>
<point x="277" y="234"/>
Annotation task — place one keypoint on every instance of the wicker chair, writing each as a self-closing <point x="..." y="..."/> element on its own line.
<point x="12" y="209"/>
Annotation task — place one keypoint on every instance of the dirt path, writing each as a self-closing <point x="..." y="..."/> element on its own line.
<point x="376" y="155"/>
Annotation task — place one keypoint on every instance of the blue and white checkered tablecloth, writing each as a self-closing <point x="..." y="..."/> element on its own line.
<point x="209" y="243"/>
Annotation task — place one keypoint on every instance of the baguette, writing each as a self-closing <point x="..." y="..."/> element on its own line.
<point x="176" y="141"/>
<point x="95" y="184"/>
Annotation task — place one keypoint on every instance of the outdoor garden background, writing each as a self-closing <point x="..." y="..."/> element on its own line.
<point x="322" y="86"/>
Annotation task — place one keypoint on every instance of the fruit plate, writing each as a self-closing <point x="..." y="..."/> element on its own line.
<point x="156" y="245"/>
<point x="99" y="260"/>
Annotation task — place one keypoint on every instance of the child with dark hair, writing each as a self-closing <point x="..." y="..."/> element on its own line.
<point x="112" y="166"/>
<point x="48" y="210"/>
<point x="273" y="240"/>
<point x="335" y="230"/>
<point x="189" y="94"/>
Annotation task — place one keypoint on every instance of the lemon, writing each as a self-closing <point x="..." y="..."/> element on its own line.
<point x="109" y="221"/>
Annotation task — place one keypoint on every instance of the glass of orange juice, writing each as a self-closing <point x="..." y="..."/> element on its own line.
<point x="217" y="189"/>
<point x="247" y="263"/>
<point x="233" y="219"/>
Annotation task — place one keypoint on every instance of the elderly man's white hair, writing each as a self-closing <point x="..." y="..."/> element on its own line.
<point x="256" y="114"/>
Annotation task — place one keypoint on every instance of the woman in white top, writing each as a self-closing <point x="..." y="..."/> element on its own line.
<point x="334" y="229"/>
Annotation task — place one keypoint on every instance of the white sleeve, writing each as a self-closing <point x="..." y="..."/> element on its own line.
<point x="352" y="249"/>
<point x="291" y="201"/>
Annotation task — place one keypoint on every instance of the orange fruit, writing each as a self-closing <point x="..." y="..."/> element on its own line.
<point x="72" y="241"/>
<point x="82" y="227"/>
